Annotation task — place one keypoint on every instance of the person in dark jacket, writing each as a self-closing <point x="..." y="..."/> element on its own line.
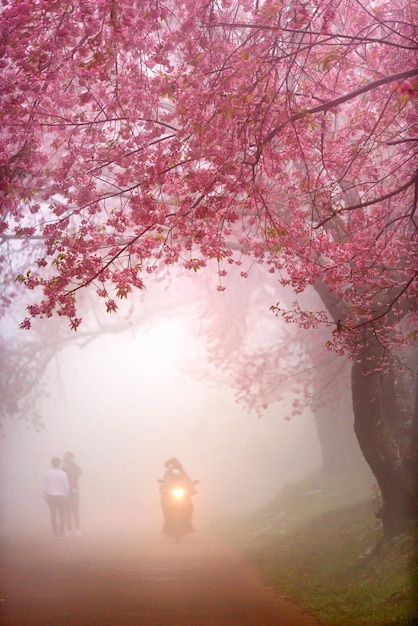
<point x="73" y="472"/>
<point x="174" y="475"/>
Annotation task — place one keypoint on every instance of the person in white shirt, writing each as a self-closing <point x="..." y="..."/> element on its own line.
<point x="56" y="490"/>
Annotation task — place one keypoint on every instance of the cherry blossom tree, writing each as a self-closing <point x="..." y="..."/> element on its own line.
<point x="270" y="364"/>
<point x="217" y="132"/>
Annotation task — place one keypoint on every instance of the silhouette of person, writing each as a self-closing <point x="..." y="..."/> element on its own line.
<point x="173" y="474"/>
<point x="73" y="472"/>
<point x="56" y="489"/>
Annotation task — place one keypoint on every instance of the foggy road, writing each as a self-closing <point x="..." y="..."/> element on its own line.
<point x="142" y="580"/>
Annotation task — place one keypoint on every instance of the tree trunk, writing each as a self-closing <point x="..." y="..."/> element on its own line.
<point x="385" y="421"/>
<point x="385" y="405"/>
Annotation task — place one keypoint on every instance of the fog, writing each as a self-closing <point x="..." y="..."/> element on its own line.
<point x="125" y="403"/>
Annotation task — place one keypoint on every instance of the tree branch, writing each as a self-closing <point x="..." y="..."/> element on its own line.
<point x="301" y="31"/>
<point x="331" y="104"/>
<point x="363" y="205"/>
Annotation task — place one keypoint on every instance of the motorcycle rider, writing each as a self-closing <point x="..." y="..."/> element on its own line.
<point x="173" y="475"/>
<point x="174" y="464"/>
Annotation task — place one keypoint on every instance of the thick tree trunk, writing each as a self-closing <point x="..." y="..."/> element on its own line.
<point x="385" y="422"/>
<point x="385" y="406"/>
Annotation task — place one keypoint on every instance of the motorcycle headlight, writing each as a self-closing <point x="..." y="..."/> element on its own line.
<point x="178" y="492"/>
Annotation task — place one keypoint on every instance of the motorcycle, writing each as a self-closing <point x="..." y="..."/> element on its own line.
<point x="177" y="507"/>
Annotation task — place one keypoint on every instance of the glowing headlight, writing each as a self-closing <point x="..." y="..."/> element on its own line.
<point x="178" y="492"/>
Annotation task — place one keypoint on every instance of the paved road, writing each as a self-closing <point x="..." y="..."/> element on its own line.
<point x="136" y="581"/>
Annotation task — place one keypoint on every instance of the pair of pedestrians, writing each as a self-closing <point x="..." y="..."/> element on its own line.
<point x="61" y="495"/>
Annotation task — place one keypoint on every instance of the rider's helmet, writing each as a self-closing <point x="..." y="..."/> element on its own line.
<point x="173" y="463"/>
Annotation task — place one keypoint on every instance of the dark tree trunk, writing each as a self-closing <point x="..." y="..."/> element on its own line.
<point x="385" y="423"/>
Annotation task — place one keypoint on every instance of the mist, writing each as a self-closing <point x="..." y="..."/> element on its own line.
<point x="124" y="404"/>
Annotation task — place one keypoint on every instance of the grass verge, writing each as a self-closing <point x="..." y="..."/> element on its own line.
<point x="317" y="543"/>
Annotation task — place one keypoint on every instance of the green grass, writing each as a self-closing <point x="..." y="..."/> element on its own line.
<point x="317" y="544"/>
